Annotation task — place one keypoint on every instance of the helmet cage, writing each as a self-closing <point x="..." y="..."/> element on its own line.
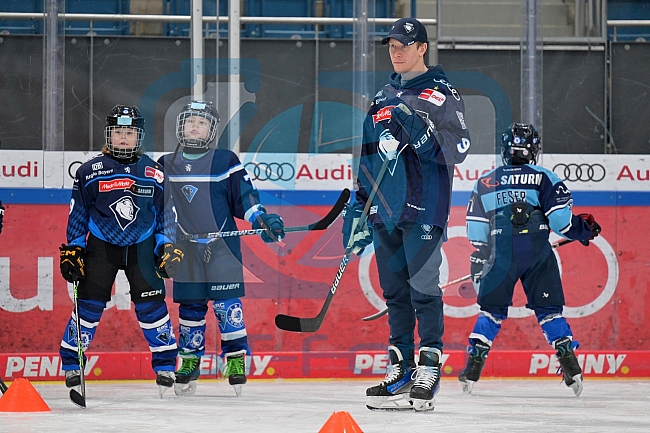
<point x="198" y="109"/>
<point x="122" y="116"/>
<point x="520" y="144"/>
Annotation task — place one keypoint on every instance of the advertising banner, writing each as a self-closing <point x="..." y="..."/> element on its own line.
<point x="606" y="283"/>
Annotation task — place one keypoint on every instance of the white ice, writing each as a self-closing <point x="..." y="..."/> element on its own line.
<point x="305" y="405"/>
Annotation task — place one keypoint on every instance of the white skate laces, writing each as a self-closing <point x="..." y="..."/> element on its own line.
<point x="426" y="377"/>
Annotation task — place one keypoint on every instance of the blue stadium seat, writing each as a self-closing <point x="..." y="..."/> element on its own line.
<point x="103" y="28"/>
<point x="628" y="10"/>
<point x="21" y="26"/>
<point x="280" y="8"/>
<point x="182" y="7"/>
<point x="345" y="9"/>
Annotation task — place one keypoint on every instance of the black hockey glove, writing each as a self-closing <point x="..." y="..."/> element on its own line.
<point x="73" y="267"/>
<point x="477" y="260"/>
<point x="2" y="214"/>
<point x="169" y="260"/>
<point x="272" y="223"/>
<point x="595" y="227"/>
<point x="409" y="127"/>
<point x="362" y="236"/>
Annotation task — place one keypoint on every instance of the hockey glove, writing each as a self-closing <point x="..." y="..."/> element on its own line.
<point x="409" y="127"/>
<point x="273" y="226"/>
<point x="2" y="214"/>
<point x="169" y="260"/>
<point x="362" y="236"/>
<point x="73" y="267"/>
<point x="595" y="227"/>
<point x="477" y="260"/>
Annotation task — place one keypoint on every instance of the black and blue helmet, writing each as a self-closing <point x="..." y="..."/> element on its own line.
<point x="520" y="144"/>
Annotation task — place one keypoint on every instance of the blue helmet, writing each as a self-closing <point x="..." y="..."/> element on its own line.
<point x="520" y="144"/>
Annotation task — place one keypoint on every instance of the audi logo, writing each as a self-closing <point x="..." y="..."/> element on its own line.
<point x="580" y="172"/>
<point x="272" y="171"/>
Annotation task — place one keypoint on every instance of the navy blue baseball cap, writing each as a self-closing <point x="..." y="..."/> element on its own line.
<point x="408" y="31"/>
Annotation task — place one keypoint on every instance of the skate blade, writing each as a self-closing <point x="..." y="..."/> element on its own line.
<point x="423" y="405"/>
<point x="396" y="402"/>
<point x="237" y="389"/>
<point x="468" y="386"/>
<point x="162" y="390"/>
<point x="576" y="386"/>
<point x="185" y="389"/>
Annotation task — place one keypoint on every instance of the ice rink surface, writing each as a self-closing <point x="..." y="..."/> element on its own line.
<point x="304" y="406"/>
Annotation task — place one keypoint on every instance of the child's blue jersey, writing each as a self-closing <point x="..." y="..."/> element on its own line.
<point x="522" y="183"/>
<point x="122" y="204"/>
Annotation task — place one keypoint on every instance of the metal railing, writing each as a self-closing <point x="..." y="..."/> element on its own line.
<point x="208" y="19"/>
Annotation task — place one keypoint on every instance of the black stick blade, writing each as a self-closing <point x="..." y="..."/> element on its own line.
<point x="334" y="213"/>
<point x="77" y="398"/>
<point x="297" y="324"/>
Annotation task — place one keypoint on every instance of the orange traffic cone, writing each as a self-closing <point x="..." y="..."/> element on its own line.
<point x="340" y="422"/>
<point x="22" y="397"/>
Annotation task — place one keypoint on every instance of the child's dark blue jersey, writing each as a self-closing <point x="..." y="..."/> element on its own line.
<point x="122" y="204"/>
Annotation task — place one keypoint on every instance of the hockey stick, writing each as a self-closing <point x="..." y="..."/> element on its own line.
<point x="3" y="386"/>
<point x="312" y="324"/>
<point x="322" y="224"/>
<point x="459" y="280"/>
<point x="385" y="310"/>
<point x="79" y="399"/>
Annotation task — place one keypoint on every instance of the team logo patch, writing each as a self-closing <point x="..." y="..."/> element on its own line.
<point x="86" y="337"/>
<point x="433" y="96"/>
<point x="426" y="228"/>
<point x="196" y="340"/>
<point x="125" y="211"/>
<point x="115" y="184"/>
<point x="189" y="191"/>
<point x="383" y="114"/>
<point x="235" y="315"/>
<point x="165" y="335"/>
<point x="154" y="173"/>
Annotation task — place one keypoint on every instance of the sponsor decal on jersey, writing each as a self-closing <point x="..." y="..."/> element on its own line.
<point x="141" y="191"/>
<point x="433" y="96"/>
<point x="97" y="166"/>
<point x="115" y="184"/>
<point x="463" y="146"/>
<point x="522" y="179"/>
<point x="125" y="211"/>
<point x="98" y="173"/>
<point x="154" y="173"/>
<point x="461" y="119"/>
<point x="562" y="190"/>
<point x="382" y="114"/>
<point x="487" y="181"/>
<point x="189" y="191"/>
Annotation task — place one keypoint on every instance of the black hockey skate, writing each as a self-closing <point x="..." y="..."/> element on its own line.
<point x="235" y="370"/>
<point x="569" y="365"/>
<point x="187" y="375"/>
<point x="73" y="378"/>
<point x="427" y="380"/>
<point x="164" y="380"/>
<point x="478" y="354"/>
<point x="392" y="392"/>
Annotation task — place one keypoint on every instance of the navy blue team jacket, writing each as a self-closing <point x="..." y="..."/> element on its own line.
<point x="417" y="185"/>
<point x="122" y="204"/>
<point x="522" y="183"/>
